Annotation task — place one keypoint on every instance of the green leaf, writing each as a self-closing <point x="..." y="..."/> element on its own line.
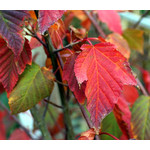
<point x="141" y="118"/>
<point x="109" y="125"/>
<point x="35" y="84"/>
<point x="135" y="39"/>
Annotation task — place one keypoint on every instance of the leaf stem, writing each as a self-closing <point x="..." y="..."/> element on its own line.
<point x="40" y="123"/>
<point x="108" y="135"/>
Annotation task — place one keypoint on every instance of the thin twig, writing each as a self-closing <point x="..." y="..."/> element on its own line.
<point x="61" y="83"/>
<point x="67" y="46"/>
<point x="142" y="87"/>
<point x="16" y="120"/>
<point x="33" y="34"/>
<point x="108" y="135"/>
<point x="53" y="104"/>
<point x="137" y="23"/>
<point x="95" y="24"/>
<point x="89" y="123"/>
<point x="46" y="108"/>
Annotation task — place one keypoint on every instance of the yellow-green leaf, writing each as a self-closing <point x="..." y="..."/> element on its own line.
<point x="34" y="84"/>
<point x="141" y="118"/>
<point x="135" y="39"/>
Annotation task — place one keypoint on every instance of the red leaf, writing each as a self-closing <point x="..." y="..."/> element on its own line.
<point x="47" y="18"/>
<point x="19" y="134"/>
<point x="69" y="75"/>
<point x="57" y="33"/>
<point x="106" y="71"/>
<point x="10" y="28"/>
<point x="123" y="116"/>
<point x="2" y="127"/>
<point x="130" y="93"/>
<point x="87" y="135"/>
<point x="146" y="79"/>
<point x="10" y="68"/>
<point x="112" y="19"/>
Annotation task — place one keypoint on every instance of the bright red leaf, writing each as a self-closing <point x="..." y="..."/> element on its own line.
<point x="112" y="19"/>
<point x="10" y="68"/>
<point x="106" y="71"/>
<point x="69" y="75"/>
<point x="48" y="18"/>
<point x="10" y="28"/>
<point x="19" y="134"/>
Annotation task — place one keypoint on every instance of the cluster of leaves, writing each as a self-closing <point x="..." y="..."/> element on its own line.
<point x="96" y="69"/>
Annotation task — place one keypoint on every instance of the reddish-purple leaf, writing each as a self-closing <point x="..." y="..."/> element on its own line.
<point x="47" y="18"/>
<point x="106" y="71"/>
<point x="10" y="28"/>
<point x="2" y="126"/>
<point x="112" y="19"/>
<point x="69" y="75"/>
<point x="10" y="67"/>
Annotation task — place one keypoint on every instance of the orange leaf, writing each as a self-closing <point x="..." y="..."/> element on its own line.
<point x="120" y="43"/>
<point x="87" y="135"/>
<point x="57" y="33"/>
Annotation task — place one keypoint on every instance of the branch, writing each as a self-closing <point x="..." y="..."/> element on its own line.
<point x="95" y="24"/>
<point x="142" y="87"/>
<point x="137" y="23"/>
<point x="15" y="119"/>
<point x="49" y="102"/>
<point x="67" y="119"/>
<point x="40" y="123"/>
<point x="67" y="46"/>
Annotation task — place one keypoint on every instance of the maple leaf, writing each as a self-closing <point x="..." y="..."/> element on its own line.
<point x="112" y="19"/>
<point x="10" y="68"/>
<point x="10" y="28"/>
<point x="69" y="75"/>
<point x="48" y="18"/>
<point x="106" y="71"/>
<point x="57" y="33"/>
